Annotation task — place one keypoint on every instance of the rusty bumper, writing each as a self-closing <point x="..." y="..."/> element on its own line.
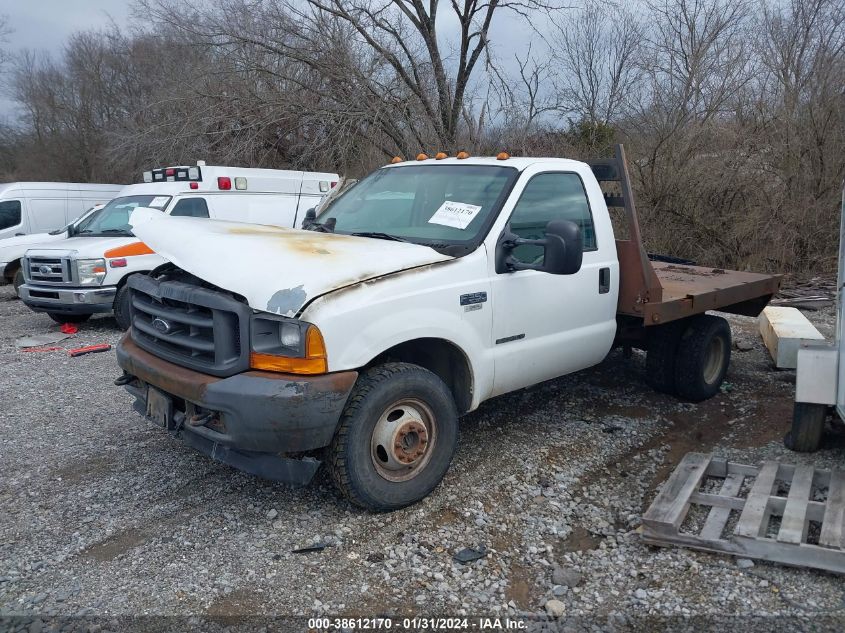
<point x="250" y="420"/>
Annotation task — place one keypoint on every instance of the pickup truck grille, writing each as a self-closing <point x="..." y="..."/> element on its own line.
<point x="48" y="270"/>
<point x="190" y="326"/>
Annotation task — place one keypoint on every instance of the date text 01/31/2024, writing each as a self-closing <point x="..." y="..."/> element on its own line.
<point x="417" y="624"/>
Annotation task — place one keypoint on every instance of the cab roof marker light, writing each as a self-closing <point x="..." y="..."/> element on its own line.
<point x="462" y="155"/>
<point x="441" y="156"/>
<point x="422" y="156"/>
<point x="396" y="159"/>
<point x="240" y="183"/>
<point x="502" y="156"/>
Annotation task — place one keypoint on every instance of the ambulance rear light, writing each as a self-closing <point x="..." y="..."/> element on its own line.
<point x="148" y="176"/>
<point x="240" y="183"/>
<point x="324" y="186"/>
<point x="195" y="185"/>
<point x="224" y="183"/>
<point x="334" y="184"/>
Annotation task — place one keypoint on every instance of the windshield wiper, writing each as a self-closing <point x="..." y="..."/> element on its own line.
<point x="123" y="231"/>
<point x="380" y="236"/>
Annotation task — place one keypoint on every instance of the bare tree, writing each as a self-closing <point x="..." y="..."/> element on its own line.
<point x="597" y="48"/>
<point x="389" y="51"/>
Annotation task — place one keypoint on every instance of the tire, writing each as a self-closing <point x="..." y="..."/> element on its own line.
<point x="18" y="281"/>
<point x="704" y="353"/>
<point x="393" y="403"/>
<point x="807" y="430"/>
<point x="660" y="357"/>
<point x="60" y="317"/>
<point x="121" y="308"/>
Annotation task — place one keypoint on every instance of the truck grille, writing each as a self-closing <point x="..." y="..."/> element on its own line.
<point x="49" y="270"/>
<point x="191" y="326"/>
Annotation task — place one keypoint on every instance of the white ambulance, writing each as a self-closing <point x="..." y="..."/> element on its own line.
<point x="74" y="278"/>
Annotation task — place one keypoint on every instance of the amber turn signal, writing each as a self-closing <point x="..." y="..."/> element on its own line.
<point x="462" y="155"/>
<point x="315" y="361"/>
<point x="502" y="156"/>
<point x="422" y="156"/>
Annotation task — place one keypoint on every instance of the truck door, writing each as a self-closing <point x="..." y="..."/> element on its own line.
<point x="547" y="325"/>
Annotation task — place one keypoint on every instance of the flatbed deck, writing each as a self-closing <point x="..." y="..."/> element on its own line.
<point x="688" y="290"/>
<point x="660" y="292"/>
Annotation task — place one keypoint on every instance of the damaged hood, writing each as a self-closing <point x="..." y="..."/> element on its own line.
<point x="276" y="269"/>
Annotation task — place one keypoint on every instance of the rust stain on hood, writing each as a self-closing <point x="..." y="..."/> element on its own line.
<point x="276" y="269"/>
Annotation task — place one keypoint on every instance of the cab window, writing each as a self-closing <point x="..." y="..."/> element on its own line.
<point x="547" y="197"/>
<point x="10" y="213"/>
<point x="191" y="208"/>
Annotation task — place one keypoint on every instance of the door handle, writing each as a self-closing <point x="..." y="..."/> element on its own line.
<point x="604" y="281"/>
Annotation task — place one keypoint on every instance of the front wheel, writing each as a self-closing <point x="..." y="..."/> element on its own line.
<point x="61" y="317"/>
<point x="18" y="281"/>
<point x="396" y="438"/>
<point x="121" y="308"/>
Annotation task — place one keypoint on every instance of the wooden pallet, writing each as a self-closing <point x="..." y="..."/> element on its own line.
<point x="663" y="521"/>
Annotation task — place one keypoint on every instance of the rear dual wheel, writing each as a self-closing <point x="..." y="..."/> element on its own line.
<point x="396" y="438"/>
<point x="690" y="357"/>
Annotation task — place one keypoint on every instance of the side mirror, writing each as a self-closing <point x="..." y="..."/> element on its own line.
<point x="563" y="250"/>
<point x="310" y="218"/>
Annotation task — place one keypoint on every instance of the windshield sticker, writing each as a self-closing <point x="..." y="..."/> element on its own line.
<point x="455" y="214"/>
<point x="159" y="202"/>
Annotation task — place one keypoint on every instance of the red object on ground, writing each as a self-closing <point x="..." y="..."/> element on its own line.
<point x="68" y="328"/>
<point x="42" y="349"/>
<point x="91" y="349"/>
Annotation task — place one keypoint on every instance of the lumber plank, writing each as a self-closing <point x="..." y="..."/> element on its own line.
<point x="669" y="508"/>
<point x="752" y="521"/>
<point x="833" y="534"/>
<point x="794" y="524"/>
<point x="718" y="517"/>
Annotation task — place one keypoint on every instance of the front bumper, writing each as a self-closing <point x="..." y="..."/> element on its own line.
<point x="253" y="421"/>
<point x="68" y="300"/>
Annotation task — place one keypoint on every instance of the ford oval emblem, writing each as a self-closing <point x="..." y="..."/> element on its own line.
<point x="45" y="270"/>
<point x="161" y="325"/>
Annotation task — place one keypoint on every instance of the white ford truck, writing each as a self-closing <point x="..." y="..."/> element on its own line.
<point x="414" y="296"/>
<point x="85" y="273"/>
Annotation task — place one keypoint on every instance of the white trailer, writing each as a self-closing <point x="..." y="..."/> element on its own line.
<point x="820" y="377"/>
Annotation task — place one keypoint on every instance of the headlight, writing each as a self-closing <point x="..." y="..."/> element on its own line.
<point x="90" y="272"/>
<point x="287" y="345"/>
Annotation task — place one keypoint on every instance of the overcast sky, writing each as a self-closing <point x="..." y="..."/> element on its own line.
<point x="45" y="25"/>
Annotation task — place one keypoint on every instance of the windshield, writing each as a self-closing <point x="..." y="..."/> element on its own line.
<point x="426" y="204"/>
<point x="74" y="222"/>
<point x="113" y="219"/>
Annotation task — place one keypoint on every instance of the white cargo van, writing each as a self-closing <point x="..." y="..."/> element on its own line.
<point x="12" y="249"/>
<point x="39" y="207"/>
<point x="85" y="274"/>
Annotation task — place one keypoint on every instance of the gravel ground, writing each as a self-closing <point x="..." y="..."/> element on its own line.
<point x="104" y="514"/>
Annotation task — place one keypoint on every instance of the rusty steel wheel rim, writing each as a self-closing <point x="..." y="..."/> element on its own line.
<point x="714" y="360"/>
<point x="403" y="440"/>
